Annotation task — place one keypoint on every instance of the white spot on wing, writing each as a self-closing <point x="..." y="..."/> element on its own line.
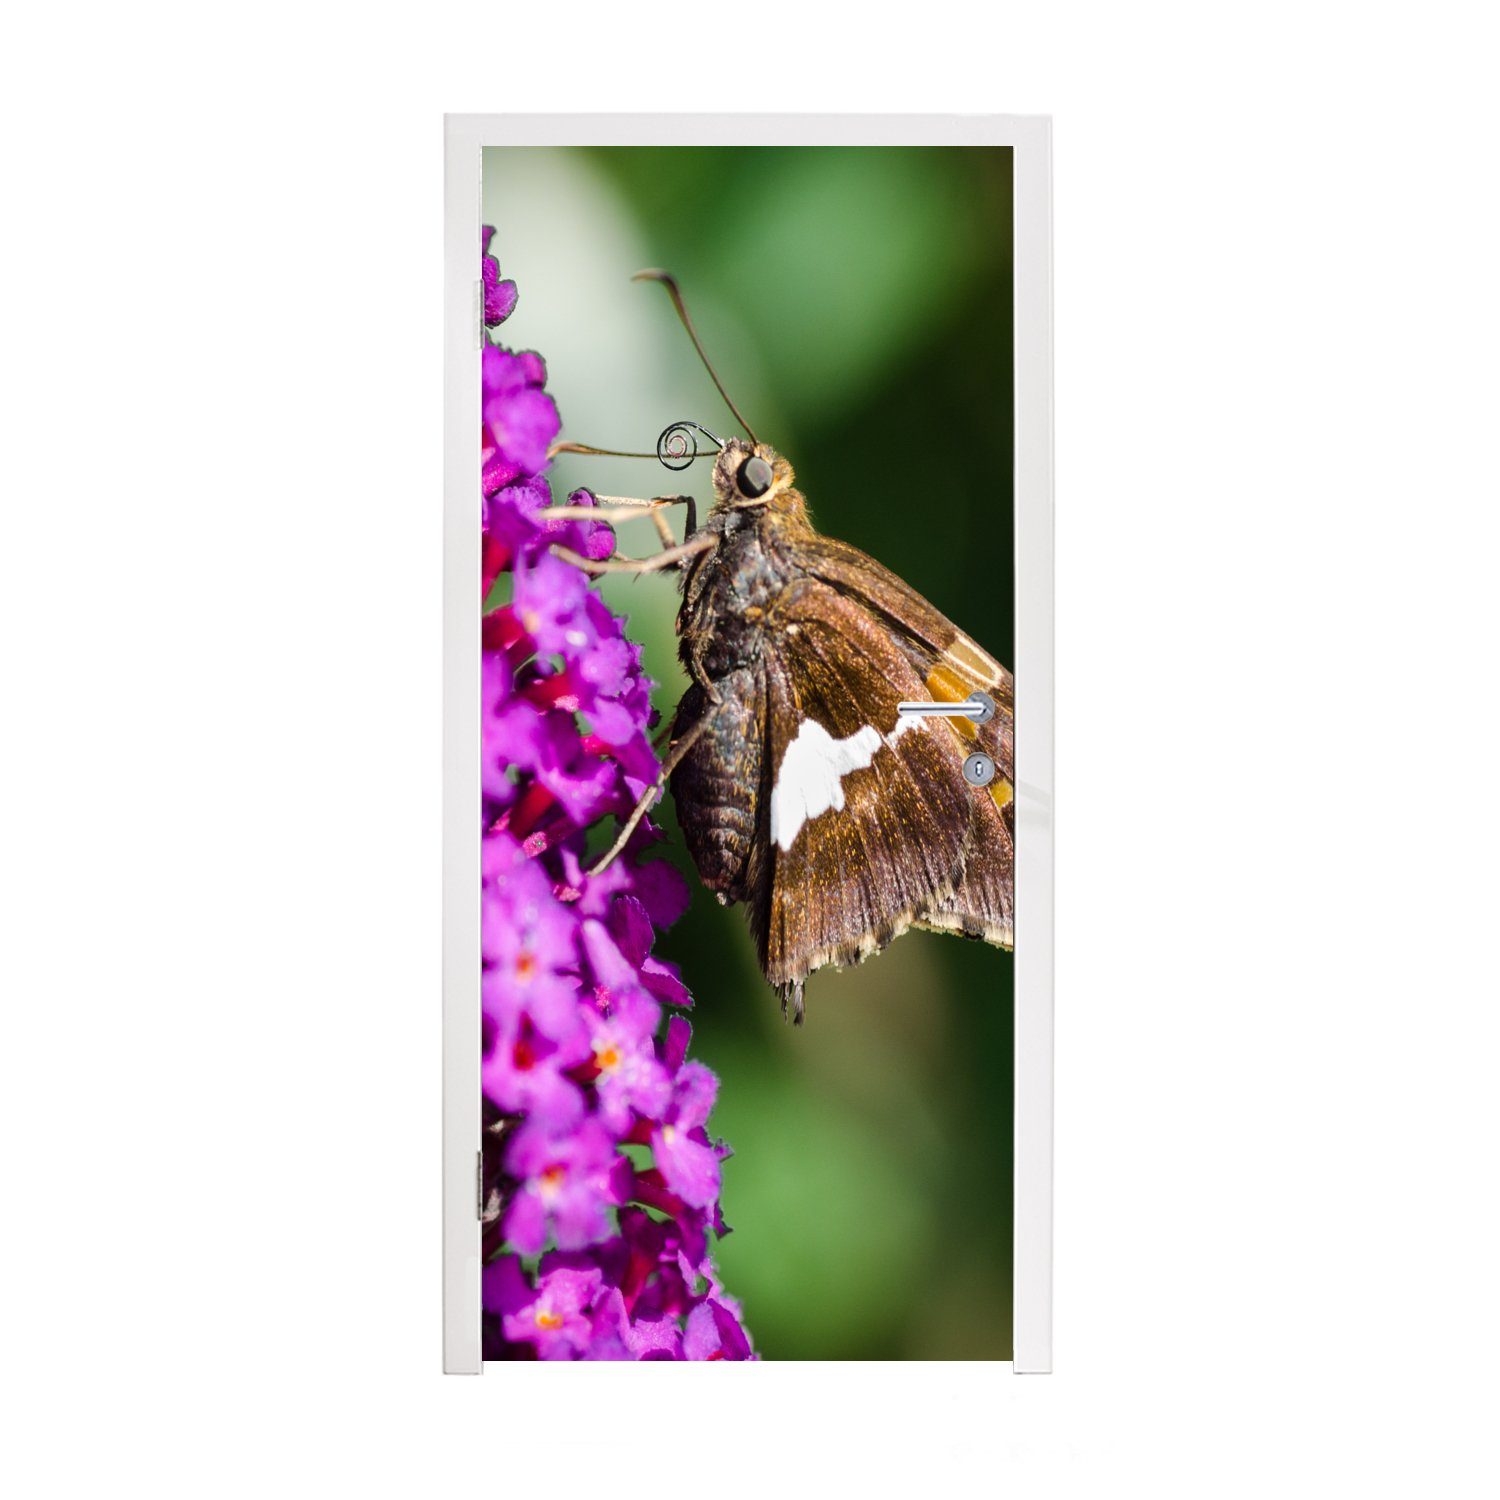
<point x="905" y="722"/>
<point x="810" y="779"/>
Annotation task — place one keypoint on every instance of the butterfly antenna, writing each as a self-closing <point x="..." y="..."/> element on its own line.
<point x="675" y="293"/>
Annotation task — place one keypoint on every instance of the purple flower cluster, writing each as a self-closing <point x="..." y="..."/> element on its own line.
<point x="601" y="1180"/>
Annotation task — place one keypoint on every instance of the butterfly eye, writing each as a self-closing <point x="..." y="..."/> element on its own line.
<point x="754" y="477"/>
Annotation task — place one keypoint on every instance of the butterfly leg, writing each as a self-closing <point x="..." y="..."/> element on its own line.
<point x="667" y="558"/>
<point x="622" y="508"/>
<point x="650" y="795"/>
<point x="699" y="672"/>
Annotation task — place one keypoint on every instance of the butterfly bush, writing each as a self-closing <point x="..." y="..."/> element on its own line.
<point x="601" y="1180"/>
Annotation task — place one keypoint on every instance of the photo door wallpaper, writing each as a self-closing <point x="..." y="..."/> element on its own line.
<point x="747" y="488"/>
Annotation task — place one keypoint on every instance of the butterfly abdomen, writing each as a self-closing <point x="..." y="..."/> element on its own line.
<point x="716" y="788"/>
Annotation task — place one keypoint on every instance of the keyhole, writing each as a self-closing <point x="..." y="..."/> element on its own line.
<point x="979" y="769"/>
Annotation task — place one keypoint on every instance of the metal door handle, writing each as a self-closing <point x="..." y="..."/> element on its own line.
<point x="979" y="707"/>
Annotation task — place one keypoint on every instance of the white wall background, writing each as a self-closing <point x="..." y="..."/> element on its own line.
<point x="1277" y="324"/>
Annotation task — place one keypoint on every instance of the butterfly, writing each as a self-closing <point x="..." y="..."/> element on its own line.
<point x="801" y="789"/>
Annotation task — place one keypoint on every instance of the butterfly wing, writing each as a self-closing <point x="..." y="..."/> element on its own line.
<point x="950" y="666"/>
<point x="807" y="796"/>
<point x="868" y="825"/>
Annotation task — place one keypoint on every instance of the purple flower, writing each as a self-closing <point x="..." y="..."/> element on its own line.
<point x="554" y="1318"/>
<point x="666" y="1259"/>
<point x="659" y="888"/>
<point x="499" y="296"/>
<point x="655" y="1338"/>
<point x="565" y="1182"/>
<point x="631" y="928"/>
<point x="527" y="942"/>
<point x="519" y="419"/>
<point x="688" y="1161"/>
<point x="714" y="1332"/>
<point x="628" y="1076"/>
<point x="550" y="605"/>
<point x="578" y="1064"/>
<point x="525" y="1071"/>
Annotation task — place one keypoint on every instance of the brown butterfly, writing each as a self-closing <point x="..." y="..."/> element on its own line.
<point x="800" y="788"/>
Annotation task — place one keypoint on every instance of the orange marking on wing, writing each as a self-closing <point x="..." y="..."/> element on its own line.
<point x="1001" y="791"/>
<point x="946" y="686"/>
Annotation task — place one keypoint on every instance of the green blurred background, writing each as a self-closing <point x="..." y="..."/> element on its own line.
<point x="857" y="303"/>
